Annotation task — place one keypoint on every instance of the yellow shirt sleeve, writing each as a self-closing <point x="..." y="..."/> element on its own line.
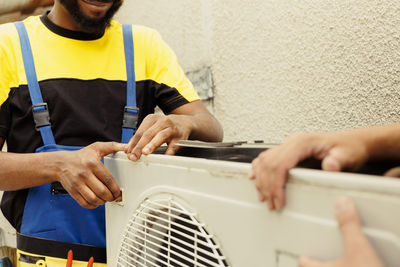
<point x="9" y="53"/>
<point x="5" y="76"/>
<point x="163" y="67"/>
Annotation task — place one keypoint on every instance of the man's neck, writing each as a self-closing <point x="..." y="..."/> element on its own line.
<point x="60" y="16"/>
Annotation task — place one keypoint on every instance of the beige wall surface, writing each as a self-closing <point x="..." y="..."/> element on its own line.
<point x="286" y="66"/>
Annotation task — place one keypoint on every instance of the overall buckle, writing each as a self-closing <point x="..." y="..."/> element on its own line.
<point x="131" y="116"/>
<point x="41" y="115"/>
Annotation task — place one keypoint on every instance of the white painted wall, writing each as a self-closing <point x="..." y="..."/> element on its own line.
<point x="282" y="66"/>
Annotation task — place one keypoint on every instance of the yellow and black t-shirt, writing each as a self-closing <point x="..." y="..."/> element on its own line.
<point x="83" y="80"/>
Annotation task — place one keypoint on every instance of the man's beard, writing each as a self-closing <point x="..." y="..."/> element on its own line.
<point x="96" y="26"/>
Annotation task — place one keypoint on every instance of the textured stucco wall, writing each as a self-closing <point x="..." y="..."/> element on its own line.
<point x="286" y="66"/>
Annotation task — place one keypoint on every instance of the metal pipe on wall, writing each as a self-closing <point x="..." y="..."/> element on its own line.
<point x="26" y="6"/>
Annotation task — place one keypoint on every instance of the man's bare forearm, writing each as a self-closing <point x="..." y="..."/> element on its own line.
<point x="200" y="122"/>
<point x="383" y="142"/>
<point x="81" y="172"/>
<point x="19" y="171"/>
<point x="205" y="128"/>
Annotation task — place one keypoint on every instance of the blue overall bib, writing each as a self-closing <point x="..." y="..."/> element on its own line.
<point x="48" y="214"/>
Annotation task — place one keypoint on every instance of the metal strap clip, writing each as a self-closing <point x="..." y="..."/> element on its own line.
<point x="41" y="115"/>
<point x="131" y="116"/>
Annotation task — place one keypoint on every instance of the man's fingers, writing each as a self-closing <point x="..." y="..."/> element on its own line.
<point x="146" y="124"/>
<point x="349" y="223"/>
<point x="279" y="188"/>
<point x="161" y="137"/>
<point x="106" y="188"/>
<point x="251" y="175"/>
<point x="394" y="172"/>
<point x="106" y="148"/>
<point x="307" y="262"/>
<point x="136" y="138"/>
<point x="332" y="164"/>
<point x="145" y="140"/>
<point x="357" y="249"/>
<point x="90" y="197"/>
<point x="172" y="147"/>
<point x="344" y="157"/>
<point x="82" y="201"/>
<point x="264" y="182"/>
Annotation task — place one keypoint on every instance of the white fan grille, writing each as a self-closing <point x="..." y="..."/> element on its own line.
<point x="163" y="233"/>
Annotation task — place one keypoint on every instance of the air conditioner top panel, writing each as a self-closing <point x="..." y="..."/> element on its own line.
<point x="246" y="151"/>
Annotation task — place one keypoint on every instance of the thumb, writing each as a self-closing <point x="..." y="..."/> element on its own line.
<point x="349" y="223"/>
<point x="172" y="148"/>
<point x="394" y="172"/>
<point x="337" y="159"/>
<point x="307" y="262"/>
<point x="106" y="148"/>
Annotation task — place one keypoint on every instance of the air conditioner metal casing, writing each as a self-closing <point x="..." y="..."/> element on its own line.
<point x="248" y="234"/>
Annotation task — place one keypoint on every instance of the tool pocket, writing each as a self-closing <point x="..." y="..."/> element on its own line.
<point x="51" y="213"/>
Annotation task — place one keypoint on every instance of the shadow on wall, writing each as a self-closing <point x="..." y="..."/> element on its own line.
<point x="19" y="9"/>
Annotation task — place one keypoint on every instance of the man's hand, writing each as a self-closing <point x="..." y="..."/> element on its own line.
<point x="357" y="250"/>
<point x="191" y="120"/>
<point x="394" y="172"/>
<point x="338" y="151"/>
<point x="157" y="129"/>
<point x="84" y="176"/>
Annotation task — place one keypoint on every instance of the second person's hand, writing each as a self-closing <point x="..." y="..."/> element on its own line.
<point x="338" y="151"/>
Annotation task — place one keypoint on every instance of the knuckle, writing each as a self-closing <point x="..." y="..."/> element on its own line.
<point x="255" y="162"/>
<point x="82" y="174"/>
<point x="102" y="192"/>
<point x="275" y="194"/>
<point x="91" y="200"/>
<point x="113" y="144"/>
<point x="153" y="117"/>
<point x="91" y="164"/>
<point x="75" y="184"/>
<point x="105" y="195"/>
<point x="151" y="146"/>
<point x="258" y="186"/>
<point x="108" y="180"/>
<point x="96" y="143"/>
<point x="137" y="150"/>
<point x="167" y="121"/>
<point x="86" y="205"/>
<point x="274" y="166"/>
<point x="139" y="134"/>
<point x="264" y="154"/>
<point x="165" y="134"/>
<point x="263" y="158"/>
<point x="265" y="190"/>
<point x="148" y="134"/>
<point x="95" y="202"/>
<point x="277" y="187"/>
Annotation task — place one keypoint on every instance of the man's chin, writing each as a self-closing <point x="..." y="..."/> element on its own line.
<point x="91" y="19"/>
<point x="95" y="10"/>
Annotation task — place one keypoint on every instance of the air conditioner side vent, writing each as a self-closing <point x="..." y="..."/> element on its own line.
<point x="162" y="232"/>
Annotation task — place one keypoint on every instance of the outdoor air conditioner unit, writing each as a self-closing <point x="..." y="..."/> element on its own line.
<point x="185" y="211"/>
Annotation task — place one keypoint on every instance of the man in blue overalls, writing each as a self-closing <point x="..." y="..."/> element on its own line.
<point x="69" y="79"/>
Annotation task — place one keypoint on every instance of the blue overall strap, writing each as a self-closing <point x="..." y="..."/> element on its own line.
<point x="131" y="112"/>
<point x="39" y="108"/>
